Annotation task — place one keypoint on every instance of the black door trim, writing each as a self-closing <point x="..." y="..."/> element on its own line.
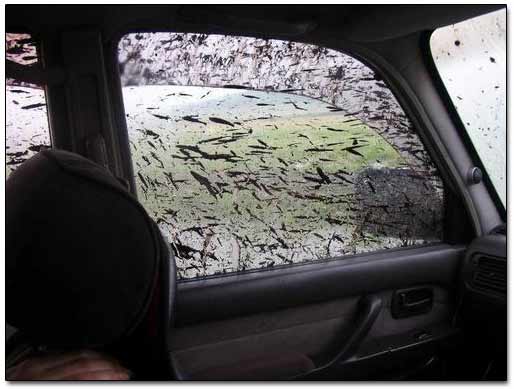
<point x="245" y="293"/>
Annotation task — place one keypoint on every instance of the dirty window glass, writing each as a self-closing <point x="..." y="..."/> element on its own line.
<point x="471" y="59"/>
<point x="26" y="115"/>
<point x="254" y="153"/>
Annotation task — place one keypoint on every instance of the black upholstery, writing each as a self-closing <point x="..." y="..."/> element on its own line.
<point x="85" y="264"/>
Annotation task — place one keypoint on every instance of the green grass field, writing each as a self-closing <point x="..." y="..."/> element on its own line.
<point x="242" y="186"/>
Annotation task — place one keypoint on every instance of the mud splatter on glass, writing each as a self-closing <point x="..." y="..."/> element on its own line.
<point x="26" y="114"/>
<point x="471" y="58"/>
<point x="254" y="153"/>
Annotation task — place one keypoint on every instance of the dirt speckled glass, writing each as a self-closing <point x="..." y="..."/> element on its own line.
<point x="26" y="120"/>
<point x="252" y="153"/>
<point x="471" y="58"/>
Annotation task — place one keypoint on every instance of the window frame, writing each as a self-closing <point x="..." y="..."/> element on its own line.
<point x="361" y="54"/>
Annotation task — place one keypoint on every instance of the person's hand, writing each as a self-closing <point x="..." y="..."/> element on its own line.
<point x="79" y="365"/>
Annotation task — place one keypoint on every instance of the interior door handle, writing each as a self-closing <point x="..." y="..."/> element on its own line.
<point x="416" y="304"/>
<point x="368" y="309"/>
<point x="411" y="302"/>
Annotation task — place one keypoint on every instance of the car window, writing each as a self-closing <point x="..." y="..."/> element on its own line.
<point x="254" y="153"/>
<point x="471" y="59"/>
<point x="26" y="112"/>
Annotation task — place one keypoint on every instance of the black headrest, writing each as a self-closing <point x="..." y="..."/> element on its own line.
<point x="85" y="264"/>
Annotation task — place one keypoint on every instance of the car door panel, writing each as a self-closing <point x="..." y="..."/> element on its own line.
<point x="244" y="293"/>
<point x="312" y="311"/>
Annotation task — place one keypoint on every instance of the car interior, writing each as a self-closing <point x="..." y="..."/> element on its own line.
<point x="284" y="262"/>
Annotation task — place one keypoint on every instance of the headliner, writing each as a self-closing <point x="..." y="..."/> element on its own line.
<point x="359" y="23"/>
